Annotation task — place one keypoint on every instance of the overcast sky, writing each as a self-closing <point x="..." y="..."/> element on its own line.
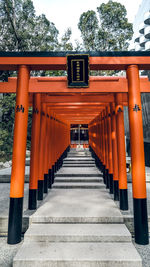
<point x="66" y="13"/>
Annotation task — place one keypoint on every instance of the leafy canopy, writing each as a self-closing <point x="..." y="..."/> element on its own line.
<point x="22" y="30"/>
<point x="106" y="30"/>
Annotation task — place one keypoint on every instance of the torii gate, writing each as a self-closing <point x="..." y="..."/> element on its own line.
<point x="55" y="106"/>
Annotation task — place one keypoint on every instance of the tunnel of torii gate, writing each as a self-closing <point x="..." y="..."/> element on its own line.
<point x="55" y="107"/>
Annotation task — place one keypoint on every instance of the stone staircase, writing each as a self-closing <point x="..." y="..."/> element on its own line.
<point x="78" y="223"/>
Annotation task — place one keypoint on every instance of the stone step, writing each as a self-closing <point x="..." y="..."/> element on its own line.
<point x="78" y="233"/>
<point x="78" y="185"/>
<point x="78" y="165"/>
<point x="77" y="172"/>
<point x="79" y="158"/>
<point x="78" y="155"/>
<point x="79" y="161"/>
<point x="90" y="254"/>
<point x="78" y="179"/>
<point x="77" y="206"/>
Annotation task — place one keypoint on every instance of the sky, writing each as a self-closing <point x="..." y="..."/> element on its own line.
<point x="66" y="13"/>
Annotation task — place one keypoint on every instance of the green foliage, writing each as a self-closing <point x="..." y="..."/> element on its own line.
<point x="22" y="30"/>
<point x="88" y="25"/>
<point x="110" y="30"/>
<point x="7" y="104"/>
<point x="65" y="44"/>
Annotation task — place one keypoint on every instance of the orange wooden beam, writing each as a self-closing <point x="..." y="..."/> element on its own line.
<point x="97" y="84"/>
<point x="58" y="61"/>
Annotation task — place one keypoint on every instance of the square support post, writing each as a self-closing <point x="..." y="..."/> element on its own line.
<point x="18" y="158"/>
<point x="123" y="191"/>
<point x="103" y="148"/>
<point x="114" y="152"/>
<point x="34" y="161"/>
<point x="42" y="152"/>
<point x="106" y="151"/>
<point x="110" y="150"/>
<point x="46" y="153"/>
<point x="137" y="157"/>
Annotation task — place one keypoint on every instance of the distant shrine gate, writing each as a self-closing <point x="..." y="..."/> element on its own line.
<point x="56" y="106"/>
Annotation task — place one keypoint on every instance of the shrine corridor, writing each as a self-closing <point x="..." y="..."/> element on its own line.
<point x="78" y="223"/>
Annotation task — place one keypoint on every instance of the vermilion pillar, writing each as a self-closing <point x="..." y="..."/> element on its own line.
<point x="49" y="153"/>
<point x="42" y="152"/>
<point x="52" y="147"/>
<point x="106" y="151"/>
<point x="18" y="158"/>
<point x="123" y="193"/>
<point x="110" y="150"/>
<point x="46" y="152"/>
<point x="137" y="156"/>
<point x="114" y="152"/>
<point x="103" y="148"/>
<point x="34" y="161"/>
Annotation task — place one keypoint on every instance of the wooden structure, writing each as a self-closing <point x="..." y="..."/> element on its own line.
<point x="55" y="107"/>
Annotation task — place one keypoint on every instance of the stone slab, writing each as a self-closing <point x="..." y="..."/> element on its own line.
<point x="76" y="174"/>
<point x="4" y="224"/>
<point x="76" y="206"/>
<point x="78" y="179"/>
<point x="78" y="233"/>
<point x="74" y="185"/>
<point x="80" y="170"/>
<point x="5" y="175"/>
<point x="78" y="161"/>
<point x="78" y="158"/>
<point x="85" y="165"/>
<point x="89" y="171"/>
<point x="78" y="155"/>
<point x="77" y="254"/>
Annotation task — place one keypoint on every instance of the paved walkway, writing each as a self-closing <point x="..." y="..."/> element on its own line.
<point x="78" y="224"/>
<point x="7" y="252"/>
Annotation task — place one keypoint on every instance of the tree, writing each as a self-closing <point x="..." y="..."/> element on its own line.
<point x="65" y="43"/>
<point x="88" y="25"/>
<point x="109" y="31"/>
<point x="22" y="30"/>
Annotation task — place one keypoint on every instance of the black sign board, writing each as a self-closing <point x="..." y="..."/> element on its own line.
<point x="78" y="70"/>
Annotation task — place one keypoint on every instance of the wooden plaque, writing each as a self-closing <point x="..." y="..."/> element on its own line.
<point x="78" y="70"/>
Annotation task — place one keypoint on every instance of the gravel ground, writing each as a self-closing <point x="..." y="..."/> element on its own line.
<point x="144" y="252"/>
<point x="7" y="252"/>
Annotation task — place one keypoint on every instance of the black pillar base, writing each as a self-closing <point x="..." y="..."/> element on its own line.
<point x="116" y="190"/>
<point x="104" y="174"/>
<point x="53" y="174"/>
<point x="140" y="221"/>
<point x="40" y="189"/>
<point x="55" y="167"/>
<point x="15" y="220"/>
<point x="32" y="203"/>
<point x="123" y="197"/>
<point x="49" y="178"/>
<point x="107" y="179"/>
<point x="111" y="189"/>
<point x="46" y="183"/>
<point x="58" y="164"/>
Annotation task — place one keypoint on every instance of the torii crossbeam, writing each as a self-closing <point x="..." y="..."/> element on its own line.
<point x="55" y="106"/>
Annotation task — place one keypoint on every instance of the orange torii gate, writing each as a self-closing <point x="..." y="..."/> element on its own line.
<point x="55" y="106"/>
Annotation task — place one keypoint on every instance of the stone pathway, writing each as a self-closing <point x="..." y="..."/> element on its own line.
<point x="78" y="223"/>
